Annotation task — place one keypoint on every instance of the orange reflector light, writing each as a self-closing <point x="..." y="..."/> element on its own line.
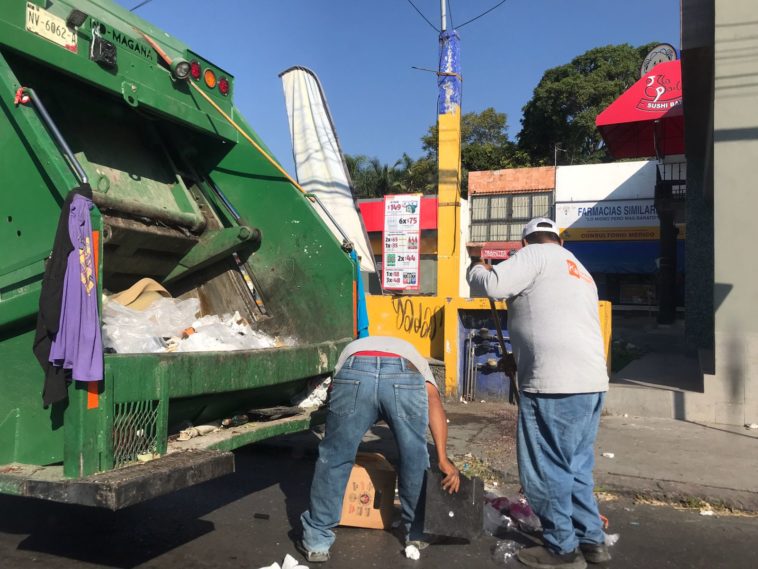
<point x="210" y="78"/>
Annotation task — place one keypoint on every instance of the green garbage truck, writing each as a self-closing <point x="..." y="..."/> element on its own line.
<point x="186" y="194"/>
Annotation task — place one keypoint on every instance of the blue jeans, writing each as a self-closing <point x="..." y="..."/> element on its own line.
<point x="365" y="390"/>
<point x="556" y="439"/>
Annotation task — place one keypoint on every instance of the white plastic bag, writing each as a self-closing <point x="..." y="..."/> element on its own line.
<point x="130" y="331"/>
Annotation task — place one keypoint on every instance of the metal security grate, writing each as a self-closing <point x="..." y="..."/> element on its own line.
<point x="135" y="431"/>
<point x="502" y="217"/>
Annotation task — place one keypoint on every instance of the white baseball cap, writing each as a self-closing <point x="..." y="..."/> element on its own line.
<point x="540" y="224"/>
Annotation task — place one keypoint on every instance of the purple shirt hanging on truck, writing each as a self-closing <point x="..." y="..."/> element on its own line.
<point x="78" y="345"/>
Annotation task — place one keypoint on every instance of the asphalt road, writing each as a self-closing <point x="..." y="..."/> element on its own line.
<point x="213" y="525"/>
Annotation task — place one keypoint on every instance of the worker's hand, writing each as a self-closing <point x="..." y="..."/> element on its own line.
<point x="452" y="481"/>
<point x="507" y="364"/>
<point x="478" y="261"/>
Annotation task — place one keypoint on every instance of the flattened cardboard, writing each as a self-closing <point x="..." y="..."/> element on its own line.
<point x="370" y="493"/>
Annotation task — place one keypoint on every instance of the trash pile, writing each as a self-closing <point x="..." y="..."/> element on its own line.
<point x="502" y="513"/>
<point x="171" y="325"/>
<point x="314" y="395"/>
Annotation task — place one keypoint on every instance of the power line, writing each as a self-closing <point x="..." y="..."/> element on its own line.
<point x="420" y="13"/>
<point x="140" y="5"/>
<point x="450" y="11"/>
<point x="482" y="14"/>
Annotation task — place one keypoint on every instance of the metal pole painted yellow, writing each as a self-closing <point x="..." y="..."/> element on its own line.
<point x="448" y="204"/>
<point x="448" y="197"/>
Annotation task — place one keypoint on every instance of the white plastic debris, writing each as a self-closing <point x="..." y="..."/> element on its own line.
<point x="707" y="512"/>
<point x="412" y="552"/>
<point x="198" y="431"/>
<point x="288" y="563"/>
<point x="609" y="455"/>
<point x="611" y="539"/>
<point x="291" y="563"/>
<point x="494" y="521"/>
<point x="129" y="331"/>
<point x="752" y="426"/>
<point x="504" y="551"/>
<point x="171" y="325"/>
<point x="314" y="395"/>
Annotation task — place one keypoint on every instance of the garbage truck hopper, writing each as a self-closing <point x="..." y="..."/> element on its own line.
<point x="181" y="196"/>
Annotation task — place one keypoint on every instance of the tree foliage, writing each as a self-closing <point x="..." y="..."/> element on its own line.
<point x="569" y="97"/>
<point x="372" y="179"/>
<point x="484" y="146"/>
<point x="562" y="112"/>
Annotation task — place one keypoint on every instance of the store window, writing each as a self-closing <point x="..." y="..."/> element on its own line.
<point x="503" y="217"/>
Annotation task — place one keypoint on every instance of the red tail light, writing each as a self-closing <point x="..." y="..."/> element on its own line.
<point x="223" y="86"/>
<point x="195" y="70"/>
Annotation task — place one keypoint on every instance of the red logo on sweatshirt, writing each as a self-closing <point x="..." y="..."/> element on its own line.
<point x="574" y="271"/>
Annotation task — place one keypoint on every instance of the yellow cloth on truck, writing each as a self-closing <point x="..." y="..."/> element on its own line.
<point x="141" y="294"/>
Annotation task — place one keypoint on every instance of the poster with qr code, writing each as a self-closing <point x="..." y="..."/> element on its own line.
<point x="401" y="244"/>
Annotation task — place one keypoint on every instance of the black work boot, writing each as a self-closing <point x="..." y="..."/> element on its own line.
<point x="595" y="552"/>
<point x="542" y="558"/>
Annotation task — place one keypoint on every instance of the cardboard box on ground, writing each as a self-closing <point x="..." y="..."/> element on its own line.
<point x="370" y="493"/>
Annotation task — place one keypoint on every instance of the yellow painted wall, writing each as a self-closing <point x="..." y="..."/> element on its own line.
<point x="416" y="319"/>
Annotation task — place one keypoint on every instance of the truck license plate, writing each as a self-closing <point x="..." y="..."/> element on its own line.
<point x="50" y="27"/>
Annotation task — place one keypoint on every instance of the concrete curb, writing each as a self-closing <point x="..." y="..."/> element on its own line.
<point x="665" y="490"/>
<point x="671" y="490"/>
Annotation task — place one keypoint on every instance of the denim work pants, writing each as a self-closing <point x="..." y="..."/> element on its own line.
<point x="556" y="439"/>
<point x="365" y="390"/>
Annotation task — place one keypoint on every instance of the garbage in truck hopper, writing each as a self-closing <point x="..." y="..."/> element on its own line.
<point x="163" y="324"/>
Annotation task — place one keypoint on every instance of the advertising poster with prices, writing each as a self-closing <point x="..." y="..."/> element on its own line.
<point x="402" y="242"/>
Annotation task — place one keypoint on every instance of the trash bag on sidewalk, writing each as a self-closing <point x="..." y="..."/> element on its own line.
<point x="516" y="509"/>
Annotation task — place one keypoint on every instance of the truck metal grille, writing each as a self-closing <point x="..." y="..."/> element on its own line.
<point x="135" y="431"/>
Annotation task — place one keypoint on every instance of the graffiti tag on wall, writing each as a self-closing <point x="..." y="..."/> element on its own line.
<point x="416" y="318"/>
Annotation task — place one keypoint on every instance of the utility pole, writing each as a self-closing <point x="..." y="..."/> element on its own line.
<point x="449" y="193"/>
<point x="557" y="148"/>
<point x="449" y="161"/>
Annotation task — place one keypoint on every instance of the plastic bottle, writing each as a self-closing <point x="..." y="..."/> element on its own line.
<point x="504" y="551"/>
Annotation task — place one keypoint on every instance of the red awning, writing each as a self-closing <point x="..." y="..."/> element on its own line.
<point x="647" y="117"/>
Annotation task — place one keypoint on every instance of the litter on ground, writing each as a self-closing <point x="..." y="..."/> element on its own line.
<point x="412" y="552"/>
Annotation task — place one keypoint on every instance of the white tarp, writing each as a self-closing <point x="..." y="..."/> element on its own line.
<point x="318" y="159"/>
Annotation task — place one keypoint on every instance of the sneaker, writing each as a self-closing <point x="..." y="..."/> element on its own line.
<point x="595" y="552"/>
<point x="312" y="556"/>
<point x="542" y="558"/>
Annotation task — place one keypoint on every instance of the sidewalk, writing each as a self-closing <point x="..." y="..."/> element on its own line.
<point x="678" y="459"/>
<point x="661" y="458"/>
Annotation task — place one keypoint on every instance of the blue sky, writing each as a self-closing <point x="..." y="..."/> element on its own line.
<point x="363" y="51"/>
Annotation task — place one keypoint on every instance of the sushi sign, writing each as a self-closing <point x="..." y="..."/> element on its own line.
<point x="401" y="242"/>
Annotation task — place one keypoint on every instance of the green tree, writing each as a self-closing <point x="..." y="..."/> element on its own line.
<point x="372" y="179"/>
<point x="569" y="97"/>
